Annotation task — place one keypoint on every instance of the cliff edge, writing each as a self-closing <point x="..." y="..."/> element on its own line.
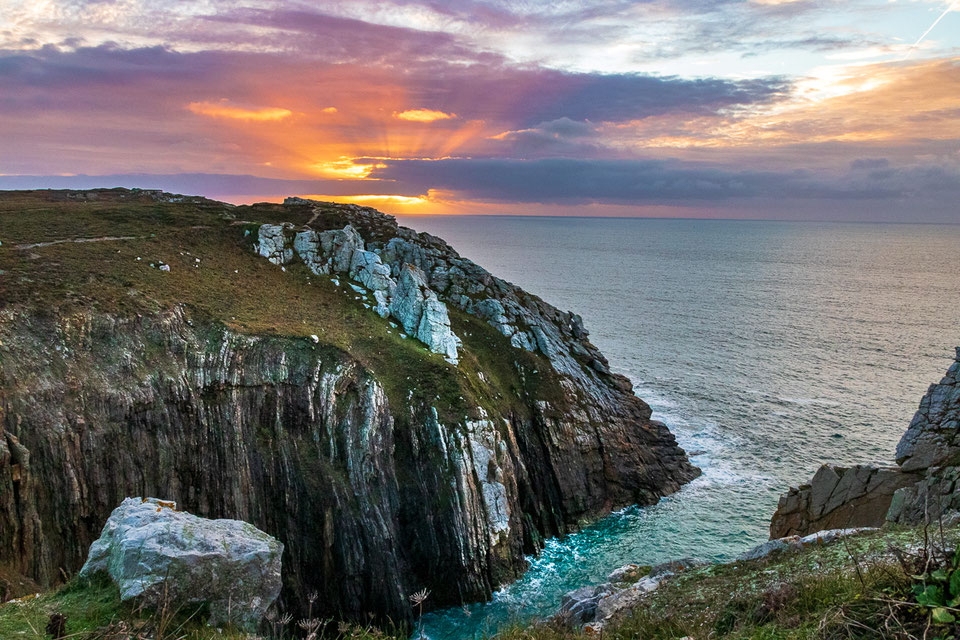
<point x="397" y="416"/>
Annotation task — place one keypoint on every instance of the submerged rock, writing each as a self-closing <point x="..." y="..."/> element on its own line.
<point x="164" y="557"/>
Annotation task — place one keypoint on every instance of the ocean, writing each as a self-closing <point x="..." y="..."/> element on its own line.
<point x="767" y="347"/>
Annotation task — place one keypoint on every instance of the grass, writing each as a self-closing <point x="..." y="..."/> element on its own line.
<point x="94" y="611"/>
<point x="215" y="274"/>
<point x="852" y="588"/>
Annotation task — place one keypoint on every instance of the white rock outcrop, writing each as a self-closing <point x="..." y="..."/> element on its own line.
<point x="417" y="308"/>
<point x="408" y="298"/>
<point x="272" y="243"/>
<point x="160" y="555"/>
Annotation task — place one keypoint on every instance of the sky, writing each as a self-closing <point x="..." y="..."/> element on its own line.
<point x="772" y="109"/>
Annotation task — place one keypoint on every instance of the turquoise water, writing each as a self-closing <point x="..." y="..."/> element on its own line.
<point x="767" y="347"/>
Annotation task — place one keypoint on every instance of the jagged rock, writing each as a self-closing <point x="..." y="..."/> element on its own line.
<point x="408" y="298"/>
<point x="935" y="496"/>
<point x="272" y="243"/>
<point x="434" y="330"/>
<point x="932" y="438"/>
<point x="307" y="245"/>
<point x="580" y="606"/>
<point x="838" y="498"/>
<point x="673" y="566"/>
<point x="366" y="267"/>
<point x="628" y="573"/>
<point x="619" y="603"/>
<point x="921" y="488"/>
<point x="322" y="448"/>
<point x="164" y="557"/>
<point x="339" y="245"/>
<point x="789" y="543"/>
<point x="421" y="314"/>
<point x="488" y="452"/>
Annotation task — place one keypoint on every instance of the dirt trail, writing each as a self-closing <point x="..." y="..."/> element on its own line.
<point x="37" y="245"/>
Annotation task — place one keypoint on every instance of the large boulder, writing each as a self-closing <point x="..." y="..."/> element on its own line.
<point x="163" y="556"/>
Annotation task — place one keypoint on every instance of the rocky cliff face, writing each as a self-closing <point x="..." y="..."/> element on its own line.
<point x="922" y="486"/>
<point x="382" y="468"/>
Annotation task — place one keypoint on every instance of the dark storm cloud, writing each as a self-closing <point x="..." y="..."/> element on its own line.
<point x="519" y="97"/>
<point x="208" y="184"/>
<point x="561" y="180"/>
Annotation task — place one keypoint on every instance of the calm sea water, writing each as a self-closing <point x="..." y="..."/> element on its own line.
<point x="767" y="347"/>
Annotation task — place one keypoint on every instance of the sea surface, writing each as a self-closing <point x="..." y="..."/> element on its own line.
<point x="767" y="347"/>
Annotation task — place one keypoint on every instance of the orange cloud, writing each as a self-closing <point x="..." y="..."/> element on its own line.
<point x="346" y="169"/>
<point x="424" y="115"/>
<point x="223" y="110"/>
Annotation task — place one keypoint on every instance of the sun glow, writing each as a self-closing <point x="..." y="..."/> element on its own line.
<point x="223" y="110"/>
<point x="424" y="115"/>
<point x="389" y="203"/>
<point x="346" y="169"/>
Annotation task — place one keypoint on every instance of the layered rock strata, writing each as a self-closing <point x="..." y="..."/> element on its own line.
<point x="376" y="490"/>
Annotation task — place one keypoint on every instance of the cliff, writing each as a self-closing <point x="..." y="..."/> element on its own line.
<point x="920" y="489"/>
<point x="398" y="417"/>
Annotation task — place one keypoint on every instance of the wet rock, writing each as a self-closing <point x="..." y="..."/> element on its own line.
<point x="164" y="557"/>
<point x="580" y="606"/>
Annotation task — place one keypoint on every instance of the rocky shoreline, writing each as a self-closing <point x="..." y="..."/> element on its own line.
<point x="921" y="487"/>
<point x="838" y="502"/>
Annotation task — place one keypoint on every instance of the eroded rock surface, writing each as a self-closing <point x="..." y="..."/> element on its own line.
<point x="164" y="557"/>
<point x="377" y="486"/>
<point x="933" y="438"/>
<point x="839" y="498"/>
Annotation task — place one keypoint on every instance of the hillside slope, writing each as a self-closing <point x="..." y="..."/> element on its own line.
<point x="173" y="346"/>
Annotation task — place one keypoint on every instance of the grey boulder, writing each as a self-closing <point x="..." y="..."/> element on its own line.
<point x="163" y="556"/>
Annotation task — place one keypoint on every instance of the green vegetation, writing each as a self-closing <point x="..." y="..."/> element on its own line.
<point x="93" y="611"/>
<point x="895" y="584"/>
<point x="892" y="584"/>
<point x="216" y="276"/>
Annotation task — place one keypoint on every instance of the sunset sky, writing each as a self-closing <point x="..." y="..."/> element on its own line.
<point x="794" y="109"/>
